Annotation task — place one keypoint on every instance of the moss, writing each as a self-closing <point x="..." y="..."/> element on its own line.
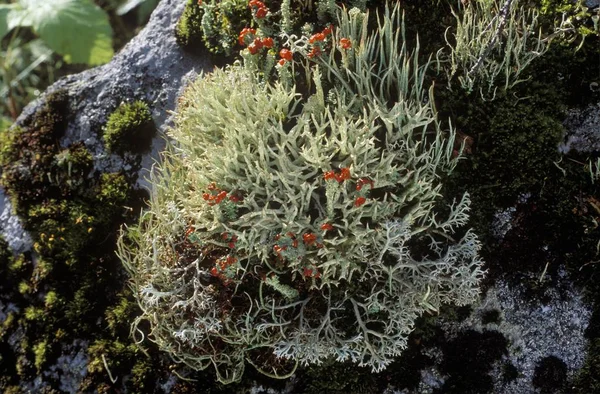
<point x="468" y="360"/>
<point x="5" y="257"/>
<point x="129" y="128"/>
<point x="509" y="372"/>
<point x="71" y="166"/>
<point x="119" y="317"/>
<point x="550" y="375"/>
<point x="30" y="154"/>
<point x="491" y="316"/>
<point x="34" y="314"/>
<point x="335" y="377"/>
<point x="142" y="375"/>
<point x="72" y="214"/>
<point x="40" y="349"/>
<point x="51" y="300"/>
<point x="216" y="24"/>
<point x="189" y="28"/>
<point x="7" y="153"/>
<point x="587" y="379"/>
<point x="25" y="288"/>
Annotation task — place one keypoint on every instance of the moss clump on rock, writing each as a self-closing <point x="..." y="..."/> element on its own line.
<point x="189" y="28"/>
<point x="72" y="213"/>
<point x="216" y="24"/>
<point x="129" y="129"/>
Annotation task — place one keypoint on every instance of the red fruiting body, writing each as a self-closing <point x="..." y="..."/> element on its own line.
<point x="295" y="243"/>
<point x="315" y="52"/>
<point x="206" y="196"/>
<point x="259" y="7"/>
<point x="359" y="201"/>
<point x="214" y="272"/>
<point x="256" y="3"/>
<point x="345" y="43"/>
<point x="245" y="31"/>
<point x="268" y="42"/>
<point x="343" y="175"/>
<point x="309" y="238"/>
<point x="224" y="235"/>
<point x="281" y="62"/>
<point x="286" y="54"/>
<point x="261" y="12"/>
<point x="328" y="30"/>
<point x="364" y="181"/>
<point x="307" y="272"/>
<point x="329" y="175"/>
<point x="316" y="37"/>
<point x="231" y="245"/>
<point x="220" y="197"/>
<point x="326" y="227"/>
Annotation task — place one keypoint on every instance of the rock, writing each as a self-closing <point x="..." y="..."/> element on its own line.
<point x="12" y="229"/>
<point x="534" y="329"/>
<point x="582" y="130"/>
<point x="152" y="67"/>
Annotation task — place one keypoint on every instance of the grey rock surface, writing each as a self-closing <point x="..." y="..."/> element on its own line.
<point x="582" y="130"/>
<point x="11" y="228"/>
<point x="535" y="329"/>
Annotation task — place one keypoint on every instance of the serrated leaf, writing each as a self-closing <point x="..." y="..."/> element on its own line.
<point x="76" y="29"/>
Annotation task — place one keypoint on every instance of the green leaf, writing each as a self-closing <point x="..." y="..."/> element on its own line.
<point x="76" y="29"/>
<point x="5" y="10"/>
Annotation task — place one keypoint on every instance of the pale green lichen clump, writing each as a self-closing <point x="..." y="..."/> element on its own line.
<point x="297" y="226"/>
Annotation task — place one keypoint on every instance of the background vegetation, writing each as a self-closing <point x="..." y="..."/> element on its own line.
<point x="41" y="41"/>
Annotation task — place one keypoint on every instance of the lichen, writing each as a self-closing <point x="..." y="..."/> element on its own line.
<point x="336" y="191"/>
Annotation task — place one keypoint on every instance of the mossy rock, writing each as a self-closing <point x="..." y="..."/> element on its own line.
<point x="189" y="28"/>
<point x="129" y="129"/>
<point x="215" y="24"/>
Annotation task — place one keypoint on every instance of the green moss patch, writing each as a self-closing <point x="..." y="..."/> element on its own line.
<point x="72" y="213"/>
<point x="129" y="129"/>
<point x="189" y="28"/>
